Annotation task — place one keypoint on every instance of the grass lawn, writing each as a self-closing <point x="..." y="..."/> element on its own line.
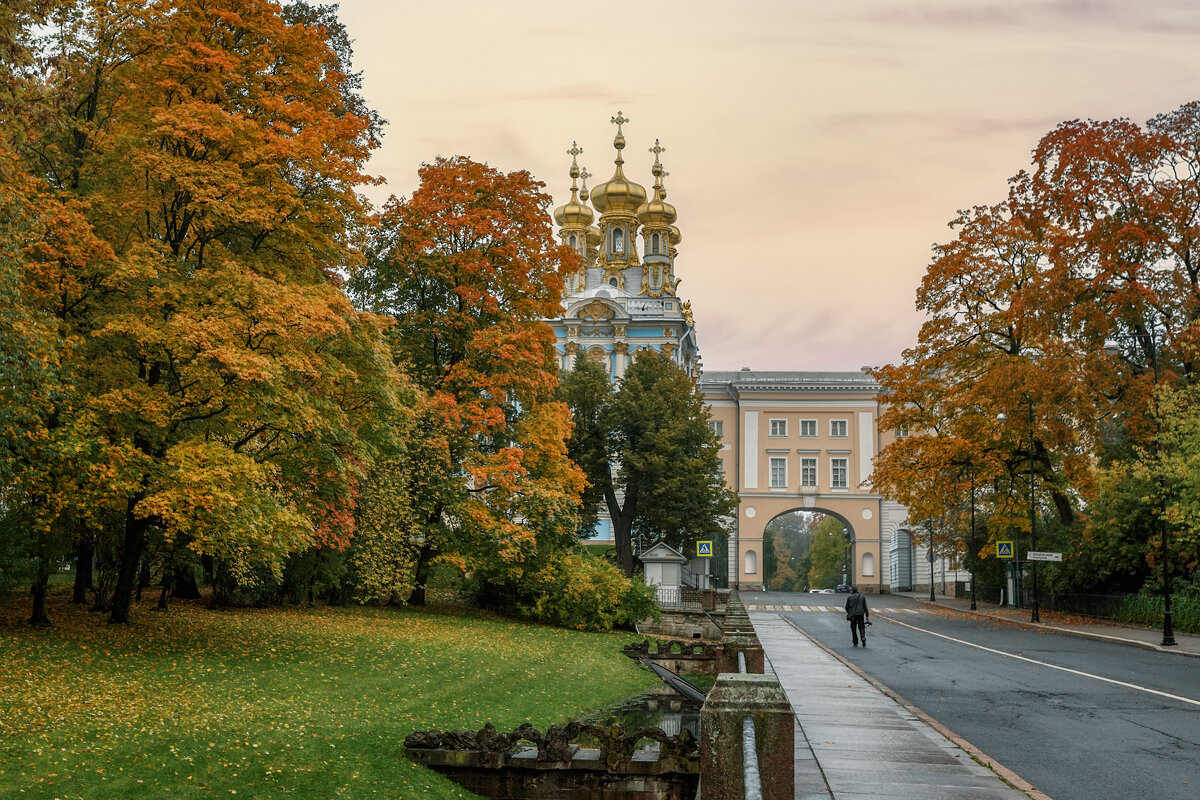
<point x="276" y="702"/>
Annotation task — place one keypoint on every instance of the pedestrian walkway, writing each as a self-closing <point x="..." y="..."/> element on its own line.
<point x="827" y="609"/>
<point x="854" y="742"/>
<point x="1186" y="644"/>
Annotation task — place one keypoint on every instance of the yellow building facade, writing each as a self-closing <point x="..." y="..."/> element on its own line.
<point x="803" y="441"/>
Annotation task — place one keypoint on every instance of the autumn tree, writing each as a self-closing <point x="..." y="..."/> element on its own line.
<point x="224" y="384"/>
<point x="648" y="450"/>
<point x="469" y="270"/>
<point x="1061" y="309"/>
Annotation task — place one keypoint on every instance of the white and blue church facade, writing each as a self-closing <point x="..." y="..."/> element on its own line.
<point x="624" y="298"/>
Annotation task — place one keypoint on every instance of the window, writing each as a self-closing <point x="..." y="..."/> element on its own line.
<point x="574" y="242"/>
<point x="839" y="473"/>
<point x="618" y="240"/>
<point x="901" y="431"/>
<point x="778" y="473"/>
<point x="808" y="472"/>
<point x="837" y="428"/>
<point x="654" y="244"/>
<point x="751" y="562"/>
<point x="717" y="426"/>
<point x="808" y="429"/>
<point x="778" y="427"/>
<point x="868" y="565"/>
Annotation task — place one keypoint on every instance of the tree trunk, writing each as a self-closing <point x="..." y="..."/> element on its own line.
<point x="183" y="584"/>
<point x="622" y="528"/>
<point x="84" y="551"/>
<point x="417" y="598"/>
<point x="162" y="596"/>
<point x="143" y="578"/>
<point x="41" y="582"/>
<point x="127" y="569"/>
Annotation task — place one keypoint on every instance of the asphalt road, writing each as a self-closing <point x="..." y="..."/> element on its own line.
<point x="1078" y="719"/>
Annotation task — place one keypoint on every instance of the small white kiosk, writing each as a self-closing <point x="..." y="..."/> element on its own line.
<point x="663" y="566"/>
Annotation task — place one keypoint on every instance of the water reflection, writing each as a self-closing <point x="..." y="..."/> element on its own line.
<point x="661" y="707"/>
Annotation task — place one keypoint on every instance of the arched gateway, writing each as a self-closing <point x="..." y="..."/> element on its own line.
<point x="802" y="441"/>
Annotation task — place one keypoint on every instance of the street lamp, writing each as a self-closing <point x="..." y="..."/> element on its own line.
<point x="1168" y="640"/>
<point x="1032" y="509"/>
<point x="929" y="525"/>
<point x="971" y="536"/>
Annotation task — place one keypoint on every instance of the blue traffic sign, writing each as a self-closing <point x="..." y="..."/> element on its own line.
<point x="1004" y="549"/>
<point x="704" y="549"/>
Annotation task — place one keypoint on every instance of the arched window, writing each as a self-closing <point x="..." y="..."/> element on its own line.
<point x="868" y="564"/>
<point x="573" y="241"/>
<point x="618" y="237"/>
<point x="612" y="281"/>
<point x="654" y="244"/>
<point x="751" y="563"/>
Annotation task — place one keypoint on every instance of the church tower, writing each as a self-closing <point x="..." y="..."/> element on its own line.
<point x="624" y="298"/>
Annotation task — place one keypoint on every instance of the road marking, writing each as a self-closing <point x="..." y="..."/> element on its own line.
<point x="1113" y="681"/>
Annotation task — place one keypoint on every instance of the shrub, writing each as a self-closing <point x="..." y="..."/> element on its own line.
<point x="584" y="592"/>
<point x="1147" y="610"/>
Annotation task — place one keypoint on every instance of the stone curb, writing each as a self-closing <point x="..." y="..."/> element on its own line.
<point x="983" y="759"/>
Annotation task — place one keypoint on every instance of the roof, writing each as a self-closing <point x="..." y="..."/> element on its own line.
<point x="662" y="552"/>
<point x="747" y="379"/>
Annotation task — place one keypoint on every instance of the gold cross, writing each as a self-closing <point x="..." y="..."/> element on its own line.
<point x="619" y="120"/>
<point x="574" y="152"/>
<point x="583" y="173"/>
<point x="658" y="148"/>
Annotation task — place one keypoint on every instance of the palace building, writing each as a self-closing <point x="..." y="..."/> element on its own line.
<point x="791" y="441"/>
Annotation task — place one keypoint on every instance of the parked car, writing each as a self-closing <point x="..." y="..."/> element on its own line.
<point x="842" y="589"/>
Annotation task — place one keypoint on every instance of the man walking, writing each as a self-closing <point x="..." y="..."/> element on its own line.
<point x="857" y="613"/>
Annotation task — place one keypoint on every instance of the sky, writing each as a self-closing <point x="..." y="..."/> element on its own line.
<point x="816" y="150"/>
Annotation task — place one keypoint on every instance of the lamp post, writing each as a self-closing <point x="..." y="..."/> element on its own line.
<point x="1032" y="508"/>
<point x="1168" y="640"/>
<point x="971" y="536"/>
<point x="1032" y="514"/>
<point x="929" y="525"/>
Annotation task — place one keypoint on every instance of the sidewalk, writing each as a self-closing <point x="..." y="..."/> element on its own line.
<point x="855" y="742"/>
<point x="1186" y="644"/>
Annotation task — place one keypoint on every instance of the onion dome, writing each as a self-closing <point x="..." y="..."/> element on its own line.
<point x="618" y="194"/>
<point x="676" y="236"/>
<point x="574" y="213"/>
<point x="657" y="213"/>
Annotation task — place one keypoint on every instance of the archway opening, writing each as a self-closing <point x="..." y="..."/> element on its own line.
<point x="806" y="550"/>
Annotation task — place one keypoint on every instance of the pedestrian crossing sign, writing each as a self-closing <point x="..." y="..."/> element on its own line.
<point x="1004" y="549"/>
<point x="704" y="549"/>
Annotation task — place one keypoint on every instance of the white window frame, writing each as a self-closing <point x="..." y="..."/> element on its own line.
<point x="837" y="465"/>
<point x="778" y="429"/>
<point x="774" y="464"/>
<point x="809" y="425"/>
<point x="717" y="426"/>
<point x="834" y="424"/>
<point x="901" y="431"/>
<point x="808" y="465"/>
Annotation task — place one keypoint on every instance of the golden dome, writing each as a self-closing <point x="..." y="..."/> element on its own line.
<point x="574" y="213"/>
<point x="618" y="194"/>
<point x="657" y="213"/>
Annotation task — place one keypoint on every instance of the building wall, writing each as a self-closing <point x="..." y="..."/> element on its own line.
<point x="802" y="441"/>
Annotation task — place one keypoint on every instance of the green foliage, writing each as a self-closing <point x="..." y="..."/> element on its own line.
<point x="582" y="592"/>
<point x="828" y="553"/>
<point x="1147" y="610"/>
<point x="647" y="441"/>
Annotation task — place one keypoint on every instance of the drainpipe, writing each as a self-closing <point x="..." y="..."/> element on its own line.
<point x="736" y="572"/>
